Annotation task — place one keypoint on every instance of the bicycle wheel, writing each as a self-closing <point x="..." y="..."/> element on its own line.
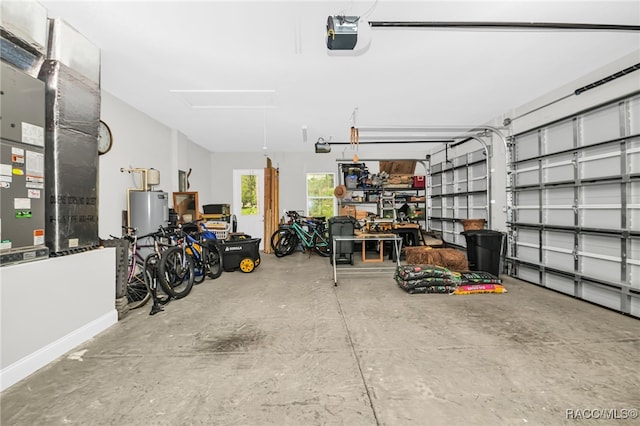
<point x="284" y="242"/>
<point x="275" y="237"/>
<point x="200" y="272"/>
<point x="177" y="272"/>
<point x="137" y="292"/>
<point x="195" y="251"/>
<point x="321" y="244"/>
<point x="151" y="266"/>
<point x="213" y="259"/>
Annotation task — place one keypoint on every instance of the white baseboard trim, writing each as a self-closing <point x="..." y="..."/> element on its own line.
<point x="31" y="363"/>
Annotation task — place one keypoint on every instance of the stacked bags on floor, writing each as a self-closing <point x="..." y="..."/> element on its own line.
<point x="426" y="279"/>
<point x="437" y="279"/>
<point x="479" y="282"/>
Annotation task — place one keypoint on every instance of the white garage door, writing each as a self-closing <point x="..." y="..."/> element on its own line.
<point x="576" y="206"/>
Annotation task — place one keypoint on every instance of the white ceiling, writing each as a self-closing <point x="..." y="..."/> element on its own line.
<point x="198" y="65"/>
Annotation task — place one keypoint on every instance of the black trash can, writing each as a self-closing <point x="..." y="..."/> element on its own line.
<point x="342" y="226"/>
<point x="484" y="250"/>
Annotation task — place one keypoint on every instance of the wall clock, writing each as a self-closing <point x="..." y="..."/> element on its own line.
<point x="105" y="138"/>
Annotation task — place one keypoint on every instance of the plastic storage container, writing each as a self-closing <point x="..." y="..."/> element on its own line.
<point x="484" y="250"/>
<point x="342" y="226"/>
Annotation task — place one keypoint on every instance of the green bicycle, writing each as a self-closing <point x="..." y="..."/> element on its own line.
<point x="311" y="232"/>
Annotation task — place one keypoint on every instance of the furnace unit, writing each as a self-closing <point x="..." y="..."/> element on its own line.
<point x="22" y="180"/>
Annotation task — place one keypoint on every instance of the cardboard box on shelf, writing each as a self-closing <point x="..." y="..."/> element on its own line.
<point x="348" y="211"/>
<point x="361" y="214"/>
<point x="400" y="172"/>
<point x="398" y="167"/>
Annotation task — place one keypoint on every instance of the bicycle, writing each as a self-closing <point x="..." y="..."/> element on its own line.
<point x="138" y="273"/>
<point x="316" y="237"/>
<point x="177" y="268"/>
<point x="201" y="247"/>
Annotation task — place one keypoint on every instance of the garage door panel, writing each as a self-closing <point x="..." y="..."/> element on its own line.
<point x="587" y="202"/>
<point x="558" y="196"/>
<point x="459" y="239"/>
<point x="633" y="162"/>
<point x="478" y="200"/>
<point x="478" y="212"/>
<point x="528" y="198"/>
<point x="559" y="283"/>
<point x="462" y="202"/>
<point x="447" y="227"/>
<point x="558" y="169"/>
<point x="559" y="217"/>
<point x="558" y="137"/>
<point x="447" y="209"/>
<point x="634" y="114"/>
<point x="477" y="180"/>
<point x="600" y="257"/>
<point x="528" y="215"/>
<point x="602" y="269"/>
<point x="529" y="236"/>
<point x="600" y="162"/>
<point x="633" y="207"/>
<point x="633" y="259"/>
<point x="600" y="206"/>
<point x="558" y="250"/>
<point x="460" y="179"/>
<point x="528" y="254"/>
<point x="448" y="182"/>
<point x="527" y="146"/>
<point x="609" y="297"/>
<point x="600" y="245"/>
<point x="435" y="225"/>
<point x="634" y="308"/>
<point x="528" y="274"/>
<point x="528" y="173"/>
<point x="528" y="207"/>
<point x="560" y="240"/>
<point x="600" y="125"/>
<point x="528" y="245"/>
<point x="558" y="207"/>
<point x="555" y="259"/>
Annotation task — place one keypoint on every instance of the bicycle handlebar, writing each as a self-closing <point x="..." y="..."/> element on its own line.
<point x="296" y="216"/>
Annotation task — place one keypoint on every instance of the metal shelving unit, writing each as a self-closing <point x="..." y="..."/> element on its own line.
<point x="386" y="191"/>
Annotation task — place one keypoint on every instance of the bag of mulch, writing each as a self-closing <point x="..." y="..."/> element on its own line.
<point x="426" y="281"/>
<point x="413" y="272"/>
<point x="443" y="289"/>
<point x="426" y="278"/>
<point x="479" y="278"/>
<point x="479" y="289"/>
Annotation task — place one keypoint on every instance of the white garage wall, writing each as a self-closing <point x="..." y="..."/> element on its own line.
<point x="142" y="142"/>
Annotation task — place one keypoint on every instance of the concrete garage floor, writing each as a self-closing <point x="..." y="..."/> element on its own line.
<point x="282" y="346"/>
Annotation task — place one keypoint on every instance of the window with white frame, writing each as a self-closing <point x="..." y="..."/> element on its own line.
<point x="320" y="199"/>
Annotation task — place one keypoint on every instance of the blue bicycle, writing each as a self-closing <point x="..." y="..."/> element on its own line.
<point x="195" y="247"/>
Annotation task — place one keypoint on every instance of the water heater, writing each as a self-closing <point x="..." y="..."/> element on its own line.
<point x="148" y="210"/>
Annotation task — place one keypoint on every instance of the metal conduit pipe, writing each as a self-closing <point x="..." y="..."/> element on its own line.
<point x="505" y="25"/>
